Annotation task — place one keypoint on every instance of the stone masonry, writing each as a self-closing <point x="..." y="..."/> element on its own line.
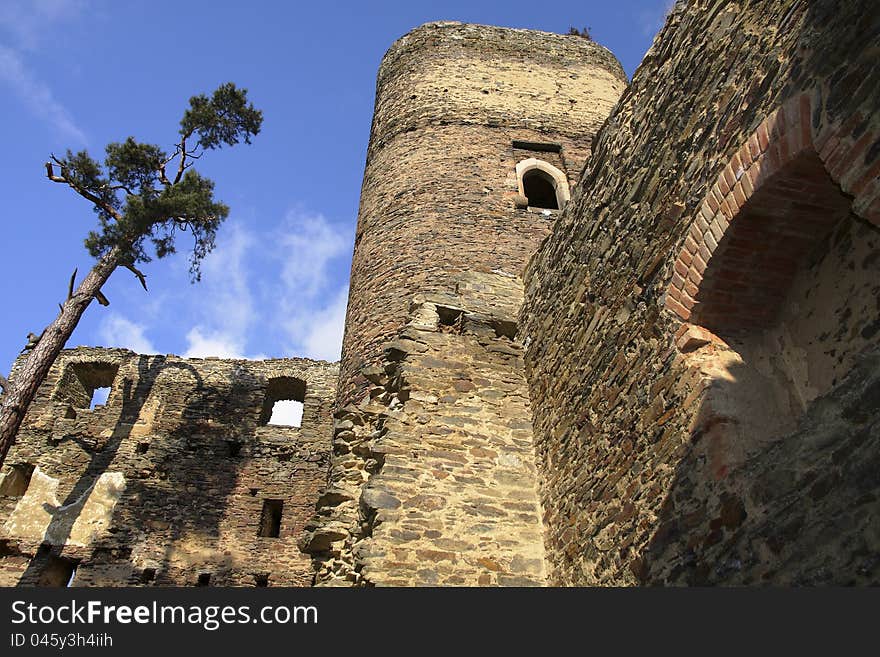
<point x="165" y="484"/>
<point x="597" y="334"/>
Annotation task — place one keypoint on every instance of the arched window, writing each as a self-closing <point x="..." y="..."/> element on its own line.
<point x="540" y="189"/>
<point x="544" y="185"/>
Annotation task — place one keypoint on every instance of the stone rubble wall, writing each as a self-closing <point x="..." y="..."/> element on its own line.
<point x="649" y="473"/>
<point x="166" y="481"/>
<point x="440" y="182"/>
<point x="434" y="479"/>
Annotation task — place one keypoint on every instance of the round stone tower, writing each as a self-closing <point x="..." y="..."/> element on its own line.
<point x="477" y="135"/>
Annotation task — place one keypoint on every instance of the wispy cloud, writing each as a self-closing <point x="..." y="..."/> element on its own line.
<point x="321" y="336"/>
<point x="225" y="301"/>
<point x="37" y="96"/>
<point x="652" y="19"/>
<point x="26" y="20"/>
<point x="25" y="25"/>
<point x="117" y="331"/>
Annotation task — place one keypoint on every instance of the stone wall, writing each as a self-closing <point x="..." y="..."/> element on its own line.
<point x="701" y="326"/>
<point x="440" y="181"/>
<point x="165" y="483"/>
<point x="433" y="478"/>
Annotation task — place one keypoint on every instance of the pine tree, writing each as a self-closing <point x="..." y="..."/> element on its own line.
<point x="144" y="197"/>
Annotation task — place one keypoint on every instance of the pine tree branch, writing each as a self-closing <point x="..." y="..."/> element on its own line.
<point x="70" y="285"/>
<point x="86" y="194"/>
<point x="99" y="296"/>
<point x="139" y="274"/>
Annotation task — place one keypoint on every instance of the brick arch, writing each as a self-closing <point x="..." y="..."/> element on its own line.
<point x="777" y="197"/>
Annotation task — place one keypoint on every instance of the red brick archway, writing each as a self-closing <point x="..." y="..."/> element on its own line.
<point x="779" y="196"/>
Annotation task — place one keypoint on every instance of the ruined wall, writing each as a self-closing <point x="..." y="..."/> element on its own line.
<point x="701" y="327"/>
<point x="165" y="483"/>
<point x="433" y="476"/>
<point x="439" y="184"/>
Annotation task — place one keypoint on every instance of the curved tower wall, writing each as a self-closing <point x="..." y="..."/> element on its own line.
<point x="438" y="196"/>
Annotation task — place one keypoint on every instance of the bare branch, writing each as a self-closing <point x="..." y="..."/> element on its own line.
<point x="99" y="296"/>
<point x="70" y="285"/>
<point x="86" y="194"/>
<point x="139" y="274"/>
<point x="50" y="174"/>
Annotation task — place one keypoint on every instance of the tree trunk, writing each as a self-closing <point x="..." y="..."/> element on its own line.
<point x="24" y="382"/>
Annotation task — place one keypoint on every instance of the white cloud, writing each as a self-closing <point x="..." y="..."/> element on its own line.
<point x="117" y="331"/>
<point x="319" y="336"/>
<point x="37" y="96"/>
<point x="26" y="20"/>
<point x="224" y="298"/>
<point x="221" y="345"/>
<point x="313" y="307"/>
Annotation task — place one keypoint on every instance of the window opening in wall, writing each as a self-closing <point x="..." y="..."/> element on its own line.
<point x="148" y="575"/>
<point x="142" y="448"/>
<point x="270" y="520"/>
<point x="286" y="413"/>
<point x="58" y="571"/>
<point x="17" y="480"/>
<point x="538" y="146"/>
<point x="86" y="385"/>
<point x="204" y="579"/>
<point x="99" y="396"/>
<point x="283" y="404"/>
<point x="540" y="189"/>
<point x="261" y="579"/>
<point x="451" y="320"/>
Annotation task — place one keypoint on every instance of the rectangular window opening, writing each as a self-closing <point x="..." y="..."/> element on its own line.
<point x="270" y="520"/>
<point x="99" y="397"/>
<point x="148" y="575"/>
<point x="86" y="385"/>
<point x="58" y="571"/>
<point x="204" y="579"/>
<point x="286" y="413"/>
<point x="261" y="579"/>
<point x="284" y="402"/>
<point x="16" y="481"/>
<point x="541" y="147"/>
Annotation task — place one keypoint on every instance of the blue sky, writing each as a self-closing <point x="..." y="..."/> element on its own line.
<point x="81" y="73"/>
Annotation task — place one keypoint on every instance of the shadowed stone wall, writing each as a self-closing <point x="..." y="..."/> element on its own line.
<point x="701" y="326"/>
<point x="165" y="483"/>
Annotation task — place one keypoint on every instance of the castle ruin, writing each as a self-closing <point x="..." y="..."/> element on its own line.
<point x="598" y="333"/>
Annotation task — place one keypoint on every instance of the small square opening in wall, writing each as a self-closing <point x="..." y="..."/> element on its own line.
<point x="148" y="575"/>
<point x="451" y="320"/>
<point x="16" y="481"/>
<point x="99" y="397"/>
<point x="204" y="579"/>
<point x="261" y="579"/>
<point x="86" y="385"/>
<point x="58" y="571"/>
<point x="283" y="403"/>
<point x="270" y="519"/>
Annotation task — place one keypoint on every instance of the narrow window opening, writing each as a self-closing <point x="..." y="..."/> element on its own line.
<point x="142" y="448"/>
<point x="283" y="404"/>
<point x="148" y="575"/>
<point x="504" y="329"/>
<point x="58" y="572"/>
<point x="204" y="579"/>
<point x="70" y="413"/>
<point x="17" y="480"/>
<point x="270" y="520"/>
<point x="261" y="579"/>
<point x="540" y="189"/>
<point x="537" y="146"/>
